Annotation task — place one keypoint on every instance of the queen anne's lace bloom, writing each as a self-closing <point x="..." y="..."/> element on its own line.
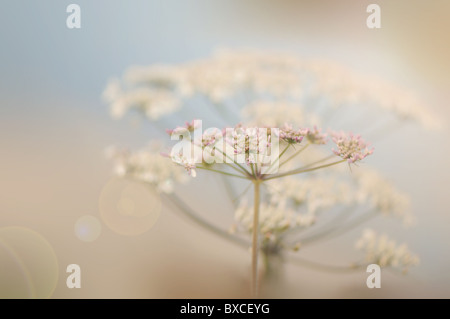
<point x="350" y="147"/>
<point x="315" y="136"/>
<point x="275" y="113"/>
<point x="312" y="192"/>
<point x="292" y="136"/>
<point x="280" y="77"/>
<point x="153" y="102"/>
<point x="187" y="162"/>
<point x="147" y="165"/>
<point x="385" y="252"/>
<point x="274" y="218"/>
<point x="379" y="193"/>
<point x="268" y="90"/>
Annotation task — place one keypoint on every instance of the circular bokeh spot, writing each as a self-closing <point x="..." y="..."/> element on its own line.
<point x="88" y="228"/>
<point x="28" y="264"/>
<point x="129" y="208"/>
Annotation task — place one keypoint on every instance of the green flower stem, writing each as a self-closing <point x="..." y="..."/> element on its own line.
<point x="221" y="172"/>
<point x="278" y="159"/>
<point x="333" y="233"/>
<point x="303" y="170"/>
<point x="324" y="267"/>
<point x="244" y="171"/>
<point x="295" y="154"/>
<point x="255" y="239"/>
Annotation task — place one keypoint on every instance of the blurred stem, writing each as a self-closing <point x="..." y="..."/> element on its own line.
<point x="181" y="205"/>
<point x="255" y="239"/>
<point x="339" y="230"/>
<point x="242" y="194"/>
<point x="324" y="267"/>
<point x="335" y="222"/>
<point x="229" y="189"/>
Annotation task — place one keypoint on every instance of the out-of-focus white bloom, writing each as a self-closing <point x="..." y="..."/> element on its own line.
<point x="274" y="218"/>
<point x="315" y="136"/>
<point x="340" y="86"/>
<point x="350" y="147"/>
<point x="153" y="102"/>
<point x="148" y="165"/>
<point x="230" y="72"/>
<point x="385" y="252"/>
<point x="375" y="190"/>
<point x="257" y="76"/>
<point x="276" y="113"/>
<point x="313" y="192"/>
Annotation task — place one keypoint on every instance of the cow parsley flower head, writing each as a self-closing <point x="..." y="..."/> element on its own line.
<point x="273" y="113"/>
<point x="147" y="165"/>
<point x="315" y="136"/>
<point x="385" y="252"/>
<point x="152" y="102"/>
<point x="187" y="162"/>
<point x="189" y="127"/>
<point x="292" y="136"/>
<point x="311" y="193"/>
<point x="350" y="147"/>
<point x="377" y="191"/>
<point x="274" y="219"/>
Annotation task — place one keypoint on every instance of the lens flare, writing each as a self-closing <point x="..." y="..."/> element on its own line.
<point x="129" y="208"/>
<point x="88" y="228"/>
<point x="29" y="267"/>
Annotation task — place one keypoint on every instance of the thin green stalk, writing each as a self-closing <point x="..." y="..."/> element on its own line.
<point x="278" y="158"/>
<point x="355" y="222"/>
<point x="255" y="239"/>
<point x="242" y="194"/>
<point x="221" y="172"/>
<point x="334" y="223"/>
<point x="237" y="169"/>
<point x="303" y="170"/>
<point x="239" y="165"/>
<point x="295" y="154"/>
<point x="253" y="170"/>
<point x="323" y="267"/>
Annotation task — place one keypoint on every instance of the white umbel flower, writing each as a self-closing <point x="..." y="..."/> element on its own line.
<point x="274" y="218"/>
<point x="152" y="102"/>
<point x="275" y="114"/>
<point x="148" y="165"/>
<point x="312" y="192"/>
<point x="381" y="250"/>
<point x="379" y="193"/>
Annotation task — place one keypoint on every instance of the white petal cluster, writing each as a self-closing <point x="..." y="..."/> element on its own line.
<point x="274" y="218"/>
<point x="351" y="147"/>
<point x="252" y="76"/>
<point x="277" y="113"/>
<point x="148" y="165"/>
<point x="315" y="193"/>
<point x="341" y="86"/>
<point x="378" y="192"/>
<point x="152" y="102"/>
<point x="381" y="250"/>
